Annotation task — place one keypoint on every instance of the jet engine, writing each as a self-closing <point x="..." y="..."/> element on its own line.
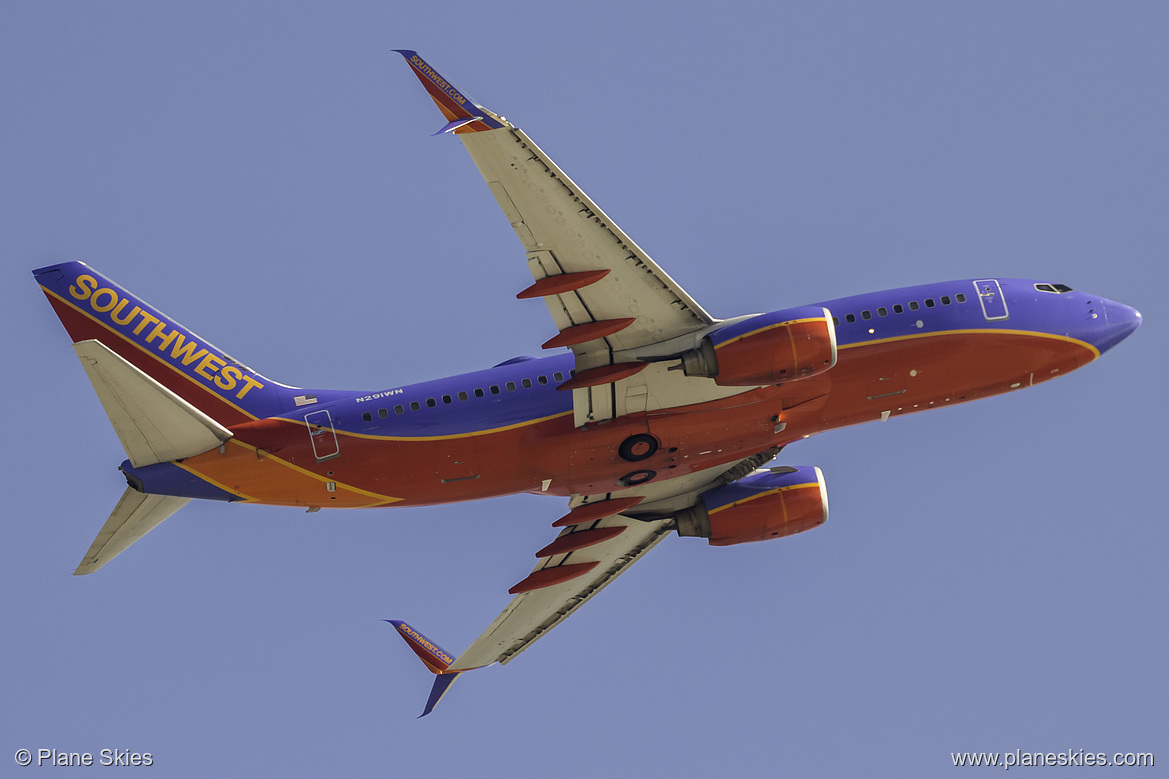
<point x="770" y="504"/>
<point x="767" y="349"/>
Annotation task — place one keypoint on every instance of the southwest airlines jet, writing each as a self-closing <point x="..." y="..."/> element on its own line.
<point x="650" y="417"/>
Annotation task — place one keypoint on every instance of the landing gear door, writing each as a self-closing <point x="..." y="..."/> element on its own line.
<point x="322" y="435"/>
<point x="990" y="295"/>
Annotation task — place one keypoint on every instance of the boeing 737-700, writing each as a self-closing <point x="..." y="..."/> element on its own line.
<point x="651" y="417"/>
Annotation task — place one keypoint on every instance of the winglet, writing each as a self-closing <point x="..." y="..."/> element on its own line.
<point x="436" y="659"/>
<point x="463" y="114"/>
<point x="431" y="654"/>
<point x="441" y="683"/>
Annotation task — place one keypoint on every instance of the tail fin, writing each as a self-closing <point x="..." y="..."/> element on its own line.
<point x="94" y="308"/>
<point x="436" y="659"/>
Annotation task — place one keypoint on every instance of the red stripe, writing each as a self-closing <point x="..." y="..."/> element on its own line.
<point x="82" y="328"/>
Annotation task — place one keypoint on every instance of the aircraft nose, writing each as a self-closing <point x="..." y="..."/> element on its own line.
<point x="1121" y="322"/>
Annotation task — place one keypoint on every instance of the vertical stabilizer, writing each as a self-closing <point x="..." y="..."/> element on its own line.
<point x="94" y="308"/>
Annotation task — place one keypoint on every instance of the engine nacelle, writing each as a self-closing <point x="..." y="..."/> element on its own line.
<point x="759" y="507"/>
<point x="767" y="349"/>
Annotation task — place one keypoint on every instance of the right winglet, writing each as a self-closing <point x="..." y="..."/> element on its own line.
<point x="436" y="659"/>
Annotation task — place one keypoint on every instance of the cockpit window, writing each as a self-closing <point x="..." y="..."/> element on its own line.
<point x="1056" y="289"/>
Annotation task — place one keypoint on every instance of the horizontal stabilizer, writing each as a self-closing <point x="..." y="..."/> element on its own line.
<point x="154" y="424"/>
<point x="135" y="515"/>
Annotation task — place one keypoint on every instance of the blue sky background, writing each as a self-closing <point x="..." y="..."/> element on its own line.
<point x="993" y="576"/>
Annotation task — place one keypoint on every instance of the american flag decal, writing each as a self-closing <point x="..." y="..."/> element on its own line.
<point x="304" y="400"/>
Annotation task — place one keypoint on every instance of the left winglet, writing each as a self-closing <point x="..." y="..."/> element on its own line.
<point x="462" y="113"/>
<point x="436" y="659"/>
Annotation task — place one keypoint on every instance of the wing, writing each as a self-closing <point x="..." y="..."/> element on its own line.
<point x="603" y="535"/>
<point x="581" y="562"/>
<point x="623" y="317"/>
<point x="605" y="294"/>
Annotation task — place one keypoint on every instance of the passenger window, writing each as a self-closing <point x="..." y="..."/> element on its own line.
<point x="431" y="402"/>
<point x="415" y="405"/>
<point x="960" y="298"/>
<point x="836" y="321"/>
<point x="462" y="395"/>
<point x="929" y="303"/>
<point x="945" y="300"/>
<point x="447" y="399"/>
<point x="542" y="379"/>
<point x="850" y="318"/>
<point x="511" y="386"/>
<point x="478" y="392"/>
<point x="558" y="376"/>
<point x="867" y="314"/>
<point x="527" y="383"/>
<point x="882" y="311"/>
<point x="913" y="306"/>
<point x="898" y="308"/>
<point x="399" y="409"/>
<point x="494" y="389"/>
<point x="367" y="417"/>
<point x="384" y="413"/>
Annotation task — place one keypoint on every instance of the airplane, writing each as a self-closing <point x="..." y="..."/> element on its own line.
<point x="651" y="417"/>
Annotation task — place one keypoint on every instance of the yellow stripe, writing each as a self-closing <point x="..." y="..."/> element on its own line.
<point x="297" y="421"/>
<point x="765" y="494"/>
<point x="223" y="487"/>
<point x="771" y="327"/>
<point x="453" y="435"/>
<point x="977" y="331"/>
<point x="323" y="479"/>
